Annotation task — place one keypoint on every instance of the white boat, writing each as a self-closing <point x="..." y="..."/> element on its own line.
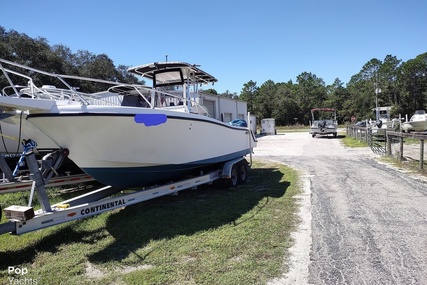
<point x="153" y="136"/>
<point x="324" y="122"/>
<point x="417" y="123"/>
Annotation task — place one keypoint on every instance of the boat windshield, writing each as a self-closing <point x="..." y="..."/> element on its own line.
<point x="168" y="77"/>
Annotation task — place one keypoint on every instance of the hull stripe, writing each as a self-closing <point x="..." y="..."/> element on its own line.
<point x="131" y="115"/>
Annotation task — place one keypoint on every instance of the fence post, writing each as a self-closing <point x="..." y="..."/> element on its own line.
<point x="388" y="146"/>
<point x="421" y="154"/>
<point x="401" y="149"/>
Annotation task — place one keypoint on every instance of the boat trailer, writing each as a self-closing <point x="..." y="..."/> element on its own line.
<point x="23" y="219"/>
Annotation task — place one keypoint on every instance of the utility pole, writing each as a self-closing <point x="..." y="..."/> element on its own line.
<point x="377" y="90"/>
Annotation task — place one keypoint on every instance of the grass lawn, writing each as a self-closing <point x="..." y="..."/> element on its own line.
<point x="291" y="129"/>
<point x="206" y="236"/>
<point x="352" y="142"/>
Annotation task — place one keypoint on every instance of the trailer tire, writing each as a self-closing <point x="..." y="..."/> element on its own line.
<point x="243" y="171"/>
<point x="233" y="181"/>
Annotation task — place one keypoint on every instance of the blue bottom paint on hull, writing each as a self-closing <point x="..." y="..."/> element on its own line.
<point x="129" y="177"/>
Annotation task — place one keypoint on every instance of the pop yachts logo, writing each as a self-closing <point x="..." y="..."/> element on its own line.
<point x="17" y="276"/>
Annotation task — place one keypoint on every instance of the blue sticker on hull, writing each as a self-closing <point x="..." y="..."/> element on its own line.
<point x="150" y="120"/>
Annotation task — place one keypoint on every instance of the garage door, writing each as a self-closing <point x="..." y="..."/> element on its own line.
<point x="210" y="106"/>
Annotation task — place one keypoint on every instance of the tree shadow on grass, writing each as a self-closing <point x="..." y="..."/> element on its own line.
<point x="51" y="243"/>
<point x="191" y="211"/>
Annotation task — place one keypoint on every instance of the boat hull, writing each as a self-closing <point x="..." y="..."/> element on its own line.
<point x="129" y="177"/>
<point x="323" y="131"/>
<point x="15" y="128"/>
<point x="10" y="140"/>
<point x="417" y="126"/>
<point x="137" y="146"/>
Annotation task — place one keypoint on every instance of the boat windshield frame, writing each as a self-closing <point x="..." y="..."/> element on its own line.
<point x="326" y="110"/>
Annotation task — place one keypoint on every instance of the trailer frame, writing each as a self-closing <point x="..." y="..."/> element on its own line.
<point x="104" y="199"/>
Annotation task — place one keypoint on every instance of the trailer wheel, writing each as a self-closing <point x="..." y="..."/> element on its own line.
<point x="243" y="171"/>
<point x="234" y="179"/>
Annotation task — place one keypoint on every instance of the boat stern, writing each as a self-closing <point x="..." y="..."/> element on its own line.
<point x="325" y="127"/>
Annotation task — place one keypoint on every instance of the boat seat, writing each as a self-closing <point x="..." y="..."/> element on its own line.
<point x="131" y="101"/>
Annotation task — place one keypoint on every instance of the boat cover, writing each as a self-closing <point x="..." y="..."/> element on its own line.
<point x="239" y="123"/>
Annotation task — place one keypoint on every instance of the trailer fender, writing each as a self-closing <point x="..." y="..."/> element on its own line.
<point x="235" y="172"/>
<point x="227" y="168"/>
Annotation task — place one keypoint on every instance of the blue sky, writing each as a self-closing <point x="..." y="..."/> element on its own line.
<point x="235" y="41"/>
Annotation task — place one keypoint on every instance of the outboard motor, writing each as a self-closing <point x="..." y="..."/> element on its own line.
<point x="322" y="126"/>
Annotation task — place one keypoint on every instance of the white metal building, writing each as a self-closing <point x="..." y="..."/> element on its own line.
<point x="223" y="108"/>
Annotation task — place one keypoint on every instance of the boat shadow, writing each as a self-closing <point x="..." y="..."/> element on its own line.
<point x="330" y="137"/>
<point x="192" y="211"/>
<point x="134" y="227"/>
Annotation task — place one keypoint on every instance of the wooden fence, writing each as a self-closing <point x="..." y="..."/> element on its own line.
<point x="393" y="137"/>
<point x="393" y="143"/>
<point x="360" y="133"/>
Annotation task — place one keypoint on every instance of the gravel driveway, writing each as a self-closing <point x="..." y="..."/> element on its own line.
<point x="363" y="222"/>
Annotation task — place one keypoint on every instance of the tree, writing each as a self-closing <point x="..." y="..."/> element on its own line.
<point x="311" y="93"/>
<point x="210" y="91"/>
<point x="228" y="94"/>
<point x="361" y="88"/>
<point x="248" y="94"/>
<point x="413" y="83"/>
<point x="337" y="95"/>
<point x="264" y="99"/>
<point x="38" y="54"/>
<point x="388" y="79"/>
<point x="286" y="110"/>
